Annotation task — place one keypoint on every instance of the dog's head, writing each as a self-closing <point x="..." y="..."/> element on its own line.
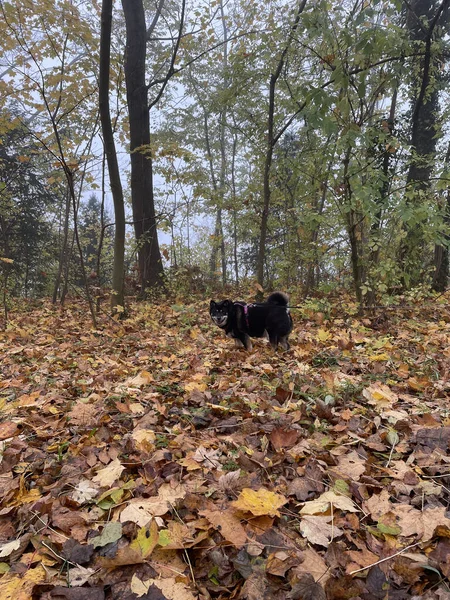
<point x="220" y="312"/>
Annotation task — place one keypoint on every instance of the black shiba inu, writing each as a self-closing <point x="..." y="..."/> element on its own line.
<point x="242" y="321"/>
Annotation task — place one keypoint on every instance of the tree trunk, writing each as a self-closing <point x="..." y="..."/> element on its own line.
<point x="117" y="295"/>
<point x="425" y="106"/>
<point x="142" y="199"/>
<point x="381" y="203"/>
<point x="355" y="232"/>
<point x="441" y="251"/>
<point x="63" y="249"/>
<point x="233" y="201"/>
<point x="272" y="139"/>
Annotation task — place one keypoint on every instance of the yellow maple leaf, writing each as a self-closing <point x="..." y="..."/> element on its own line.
<point x="323" y="335"/>
<point x="260" y="502"/>
<point x="195" y="385"/>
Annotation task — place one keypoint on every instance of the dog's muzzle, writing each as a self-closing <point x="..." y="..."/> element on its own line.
<point x="220" y="321"/>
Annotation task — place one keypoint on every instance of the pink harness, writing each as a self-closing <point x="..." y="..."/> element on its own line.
<point x="245" y="307"/>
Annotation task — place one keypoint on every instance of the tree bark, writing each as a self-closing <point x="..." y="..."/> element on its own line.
<point x="441" y="251"/>
<point x="117" y="295"/>
<point x="142" y="198"/>
<point x="423" y="129"/>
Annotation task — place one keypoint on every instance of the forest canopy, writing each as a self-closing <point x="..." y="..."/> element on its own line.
<point x="212" y="143"/>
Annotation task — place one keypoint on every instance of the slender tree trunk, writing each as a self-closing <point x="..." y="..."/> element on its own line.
<point x="118" y="294"/>
<point x="354" y="229"/>
<point x="142" y="198"/>
<point x="63" y="250"/>
<point x="233" y="192"/>
<point x="272" y="139"/>
<point x="441" y="251"/>
<point x="102" y="235"/>
<point x="218" y="232"/>
<point x="218" y="243"/>
<point x="65" y="287"/>
<point x="310" y="281"/>
<point x="375" y="228"/>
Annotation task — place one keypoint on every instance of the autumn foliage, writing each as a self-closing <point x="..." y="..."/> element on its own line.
<point x="150" y="459"/>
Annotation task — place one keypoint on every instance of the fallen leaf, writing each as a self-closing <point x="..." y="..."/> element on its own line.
<point x="111" y="532"/>
<point x="107" y="476"/>
<point x="229" y="526"/>
<point x="324" y="501"/>
<point x="260" y="502"/>
<point x="319" y="530"/>
<point x="170" y="588"/>
<point x="380" y="395"/>
<point x="9" y="547"/>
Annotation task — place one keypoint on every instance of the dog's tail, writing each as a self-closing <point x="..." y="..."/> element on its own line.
<point x="279" y="298"/>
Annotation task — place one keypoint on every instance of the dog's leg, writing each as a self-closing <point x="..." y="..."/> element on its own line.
<point x="284" y="342"/>
<point x="238" y="343"/>
<point x="247" y="342"/>
<point x="273" y="339"/>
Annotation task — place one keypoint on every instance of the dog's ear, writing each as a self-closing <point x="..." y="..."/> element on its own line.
<point x="212" y="303"/>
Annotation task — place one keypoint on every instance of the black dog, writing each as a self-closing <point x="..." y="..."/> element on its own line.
<point x="242" y="321"/>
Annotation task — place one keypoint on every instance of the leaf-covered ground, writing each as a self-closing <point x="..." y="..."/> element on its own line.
<point x="151" y="459"/>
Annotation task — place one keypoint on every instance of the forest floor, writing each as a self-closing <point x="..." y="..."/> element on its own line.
<point x="151" y="459"/>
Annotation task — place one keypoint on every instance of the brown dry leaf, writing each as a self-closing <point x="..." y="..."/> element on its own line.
<point x="168" y="563"/>
<point x="207" y="458"/>
<point x="319" y="530"/>
<point x="283" y="438"/>
<point x="65" y="519"/>
<point x="229" y="526"/>
<point x="170" y="587"/>
<point x="190" y="464"/>
<point x="144" y="439"/>
<point x="183" y="535"/>
<point x="8" y="429"/>
<point x="433" y="518"/>
<point x="280" y="562"/>
<point x="142" y="510"/>
<point x="307" y="589"/>
<point x="351" y="465"/>
<point x="259" y="502"/>
<point x="380" y="395"/>
<point x="84" y="414"/>
<point x="360" y="558"/>
<point x="324" y="501"/>
<point x="229" y="481"/>
<point x="418" y="384"/>
<point x="314" y="565"/>
<point x="378" y="505"/>
<point x="409" y="519"/>
<point x="79" y="575"/>
<point x="107" y="476"/>
<point x="172" y="492"/>
<point x="143" y="378"/>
